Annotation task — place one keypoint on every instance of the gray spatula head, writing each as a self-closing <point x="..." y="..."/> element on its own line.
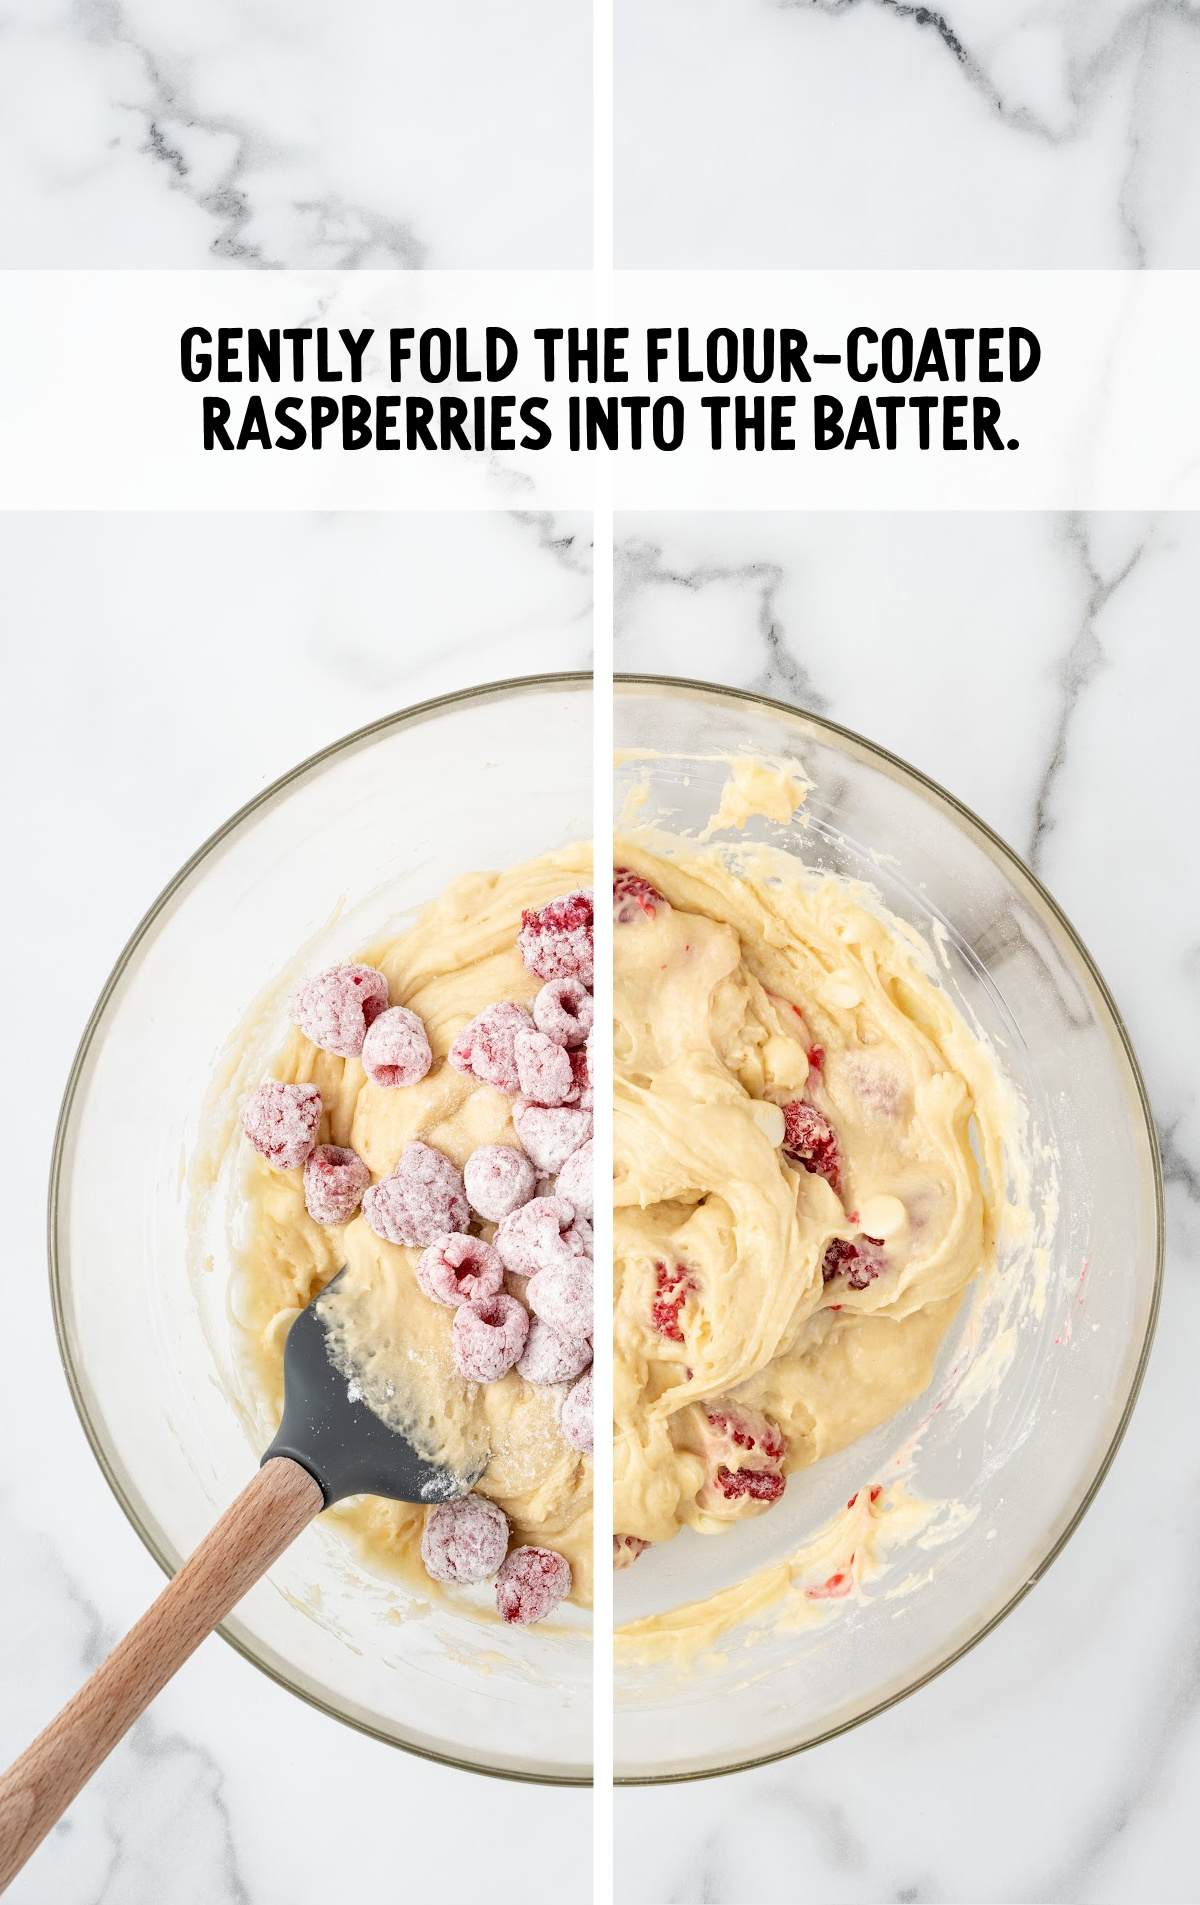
<point x="343" y="1444"/>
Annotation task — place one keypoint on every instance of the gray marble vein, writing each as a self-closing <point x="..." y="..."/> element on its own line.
<point x="889" y="133"/>
<point x="1173" y="1712"/>
<point x="1075" y="671"/>
<point x="1045" y="669"/>
<point x="258" y="135"/>
<point x="117" y="1845"/>
<point x="640" y="567"/>
<point x="566" y="538"/>
<point x="171" y="665"/>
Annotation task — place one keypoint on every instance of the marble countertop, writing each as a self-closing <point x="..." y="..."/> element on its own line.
<point x="289" y="133"/>
<point x="834" y="133"/>
<point x="167" y="668"/>
<point x="1044" y="669"/>
<point x="851" y="133"/>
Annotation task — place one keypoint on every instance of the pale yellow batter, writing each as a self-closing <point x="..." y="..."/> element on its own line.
<point x="750" y="990"/>
<point x="460" y="956"/>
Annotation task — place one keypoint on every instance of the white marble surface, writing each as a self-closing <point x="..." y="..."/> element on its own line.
<point x="1059" y="1761"/>
<point x="157" y="671"/>
<point x="851" y="133"/>
<point x="1045" y="669"/>
<point x="848" y="133"/>
<point x="294" y="133"/>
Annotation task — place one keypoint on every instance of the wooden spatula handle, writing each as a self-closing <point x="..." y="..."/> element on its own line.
<point x="266" y="1517"/>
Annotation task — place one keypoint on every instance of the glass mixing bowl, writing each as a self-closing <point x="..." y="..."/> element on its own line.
<point x="340" y="850"/>
<point x="1039" y="1374"/>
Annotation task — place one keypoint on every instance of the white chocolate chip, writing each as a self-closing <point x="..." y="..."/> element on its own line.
<point x="769" y="1119"/>
<point x="785" y="1063"/>
<point x="882" y="1216"/>
<point x="839" y="994"/>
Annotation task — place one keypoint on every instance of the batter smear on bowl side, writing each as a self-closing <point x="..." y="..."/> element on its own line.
<point x="809" y="1172"/>
<point x="428" y="1127"/>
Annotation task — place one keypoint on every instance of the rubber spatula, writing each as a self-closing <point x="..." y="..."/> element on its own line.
<point x="329" y="1445"/>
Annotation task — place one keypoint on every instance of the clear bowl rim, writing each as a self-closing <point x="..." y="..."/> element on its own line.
<point x="996" y="847"/>
<point x="572" y="680"/>
<point x="1011" y="862"/>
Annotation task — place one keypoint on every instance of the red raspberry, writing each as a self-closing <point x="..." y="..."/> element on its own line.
<point x="498" y="1180"/>
<point x="760" y="1484"/>
<point x="576" y="1181"/>
<point x="633" y="897"/>
<point x="811" y="1140"/>
<point x="837" y="1586"/>
<point x="581" y="1081"/>
<point x="744" y="1451"/>
<point x="544" y="1069"/>
<point x="548" y="1357"/>
<point x="674" y="1284"/>
<point x="861" y="1261"/>
<point x="626" y="1549"/>
<point x="335" y="1009"/>
<point x="550" y="1133"/>
<point x="420" y="1201"/>
<point x="577" y="1417"/>
<point x="396" y="1049"/>
<point x="459" y="1269"/>
<point x="489" y="1334"/>
<point x="564" y="1298"/>
<point x="746" y="1430"/>
<point x="334" y="1182"/>
<point x="873" y="1494"/>
<point x="531" y="1583"/>
<point x="464" y="1541"/>
<point x="484" y="1048"/>
<point x="556" y="940"/>
<point x="281" y="1122"/>
<point x="541" y="1234"/>
<point x="564" y="1011"/>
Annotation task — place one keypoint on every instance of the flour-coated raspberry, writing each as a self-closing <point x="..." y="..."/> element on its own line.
<point x="564" y="1297"/>
<point x="458" y="1269"/>
<point x="335" y="1009"/>
<point x="498" y="1180"/>
<point x="556" y="940"/>
<point x="577" y="1417"/>
<point x="577" y="1183"/>
<point x="421" y="1200"/>
<point x="540" y="1234"/>
<point x="488" y="1336"/>
<point x="544" y="1069"/>
<point x="550" y="1133"/>
<point x="464" y="1541"/>
<point x="396" y="1049"/>
<point x="484" y="1047"/>
<point x="334" y="1181"/>
<point x="281" y="1122"/>
<point x="548" y="1357"/>
<point x="564" y="1010"/>
<point x="531" y="1584"/>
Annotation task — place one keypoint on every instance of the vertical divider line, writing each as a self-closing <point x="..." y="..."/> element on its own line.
<point x="602" y="1046"/>
<point x="602" y="600"/>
